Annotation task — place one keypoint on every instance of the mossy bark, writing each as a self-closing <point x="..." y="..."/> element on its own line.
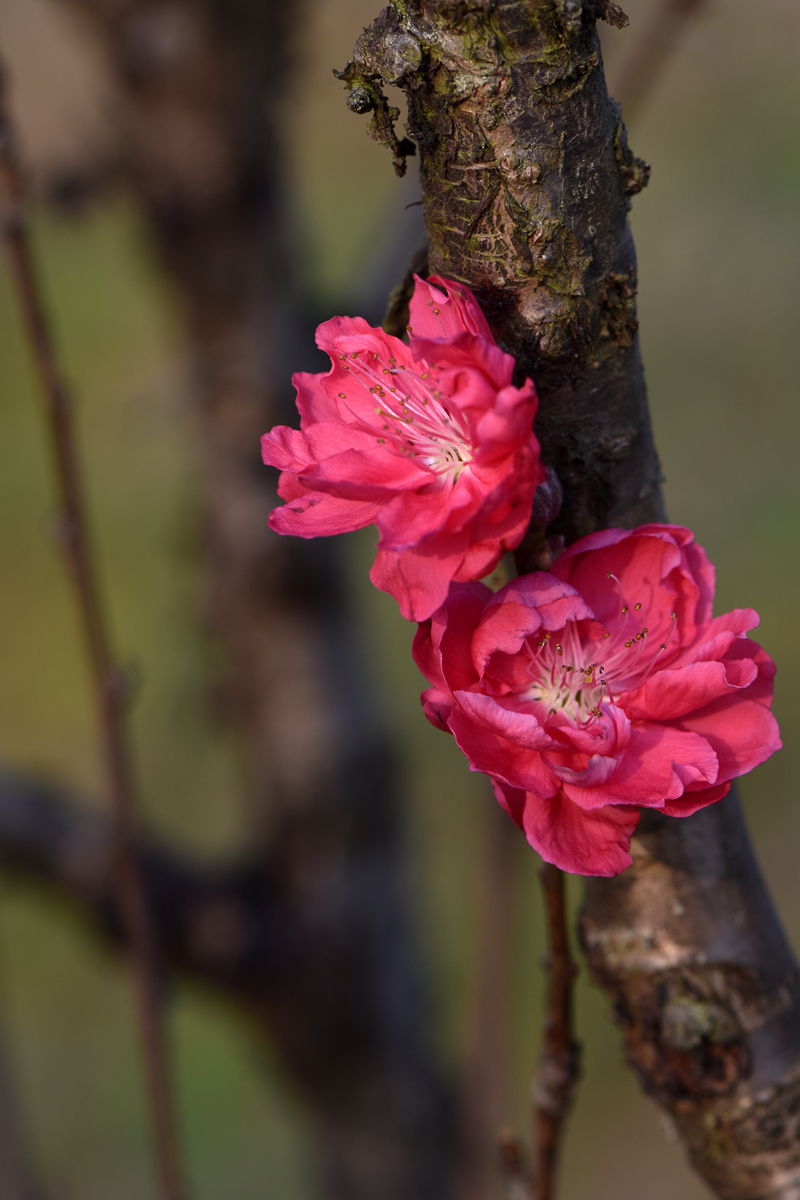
<point x="527" y="178"/>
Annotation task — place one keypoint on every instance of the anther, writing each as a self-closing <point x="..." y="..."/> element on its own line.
<point x="624" y="608"/>
<point x="638" y="606"/>
<point x="342" y="395"/>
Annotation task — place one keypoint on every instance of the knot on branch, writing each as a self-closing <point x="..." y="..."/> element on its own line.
<point x="686" y="1029"/>
<point x="617" y="303"/>
<point x="611" y="13"/>
<point x="634" y="172"/>
<point x="384" y="53"/>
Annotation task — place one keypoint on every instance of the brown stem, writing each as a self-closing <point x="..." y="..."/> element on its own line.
<point x="106" y="675"/>
<point x="559" y="1063"/>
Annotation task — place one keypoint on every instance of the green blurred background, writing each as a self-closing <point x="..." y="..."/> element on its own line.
<point x="719" y="260"/>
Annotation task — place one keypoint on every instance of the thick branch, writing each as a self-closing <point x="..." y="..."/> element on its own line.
<point x="527" y="178"/>
<point x="706" y="991"/>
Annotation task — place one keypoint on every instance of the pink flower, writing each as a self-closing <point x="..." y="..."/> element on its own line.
<point x="430" y="441"/>
<point x="600" y="686"/>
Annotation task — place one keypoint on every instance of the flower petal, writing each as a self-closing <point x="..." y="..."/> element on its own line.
<point x="585" y="843"/>
<point x="743" y="732"/>
<point x="490" y="752"/>
<point x="521" y="608"/>
<point x="670" y="694"/>
<point x="316" y="514"/>
<point x="419" y="578"/>
<point x="440" y="308"/>
<point x="645" y="772"/>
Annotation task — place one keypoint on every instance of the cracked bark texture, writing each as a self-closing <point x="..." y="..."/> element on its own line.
<point x="527" y="178"/>
<point x="201" y="84"/>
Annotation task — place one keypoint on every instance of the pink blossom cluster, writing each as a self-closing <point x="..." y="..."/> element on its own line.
<point x="430" y="441"/>
<point x="586" y="692"/>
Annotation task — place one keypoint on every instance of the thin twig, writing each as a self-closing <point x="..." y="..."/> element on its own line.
<point x="651" y="49"/>
<point x="559" y="1063"/>
<point x="107" y="677"/>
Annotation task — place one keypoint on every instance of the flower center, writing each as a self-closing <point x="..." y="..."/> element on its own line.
<point x="584" y="665"/>
<point x="411" y="413"/>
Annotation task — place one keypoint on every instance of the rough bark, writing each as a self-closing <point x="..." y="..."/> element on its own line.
<point x="527" y="179"/>
<point x="706" y="991"/>
<point x="201" y="84"/>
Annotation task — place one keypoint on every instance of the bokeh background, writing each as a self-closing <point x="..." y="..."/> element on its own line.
<point x="719" y="261"/>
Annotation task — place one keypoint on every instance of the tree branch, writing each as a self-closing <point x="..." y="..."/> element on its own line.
<point x="559" y="1064"/>
<point x="105" y="675"/>
<point x="527" y="179"/>
<point x="203" y="87"/>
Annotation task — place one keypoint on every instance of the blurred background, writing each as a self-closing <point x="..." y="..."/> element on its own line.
<point x="718" y="241"/>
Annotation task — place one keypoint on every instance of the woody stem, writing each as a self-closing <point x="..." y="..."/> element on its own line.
<point x="106" y="676"/>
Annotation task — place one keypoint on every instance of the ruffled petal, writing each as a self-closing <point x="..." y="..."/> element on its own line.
<point x="496" y="756"/>
<point x="670" y="694"/>
<point x="419" y="578"/>
<point x="645" y="774"/>
<point x="584" y="843"/>
<point x="743" y="733"/>
<point x="317" y="514"/>
<point x="521" y="608"/>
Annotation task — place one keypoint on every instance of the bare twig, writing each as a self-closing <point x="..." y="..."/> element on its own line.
<point x="107" y="677"/>
<point x="649" y="52"/>
<point x="559" y="1063"/>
